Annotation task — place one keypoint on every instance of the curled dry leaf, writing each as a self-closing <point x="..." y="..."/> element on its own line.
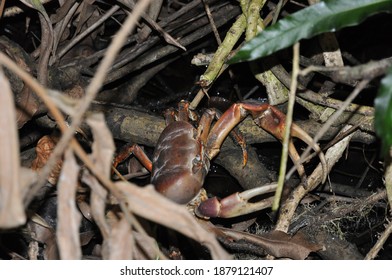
<point x="44" y="149"/>
<point x="148" y="203"/>
<point x="11" y="200"/>
<point x="69" y="216"/>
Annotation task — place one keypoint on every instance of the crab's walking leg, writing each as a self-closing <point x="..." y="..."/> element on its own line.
<point x="273" y="121"/>
<point x="267" y="117"/>
<point x="205" y="135"/>
<point x="134" y="149"/>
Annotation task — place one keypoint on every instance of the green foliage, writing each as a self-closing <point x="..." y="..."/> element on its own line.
<point x="326" y="16"/>
<point x="383" y="112"/>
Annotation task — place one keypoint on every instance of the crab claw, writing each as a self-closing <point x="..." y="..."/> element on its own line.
<point x="236" y="204"/>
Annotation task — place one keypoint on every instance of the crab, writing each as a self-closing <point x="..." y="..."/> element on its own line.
<point x="182" y="155"/>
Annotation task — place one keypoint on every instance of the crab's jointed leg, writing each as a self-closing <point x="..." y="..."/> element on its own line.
<point x="134" y="149"/>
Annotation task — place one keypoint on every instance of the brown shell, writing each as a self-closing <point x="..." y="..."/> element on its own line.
<point x="179" y="163"/>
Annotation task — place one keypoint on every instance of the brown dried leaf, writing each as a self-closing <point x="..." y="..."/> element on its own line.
<point x="115" y="250"/>
<point x="145" y="251"/>
<point x="43" y="150"/>
<point x="98" y="203"/>
<point x="277" y="243"/>
<point x="69" y="216"/>
<point x="294" y="247"/>
<point x="103" y="150"/>
<point x="103" y="145"/>
<point x="148" y="203"/>
<point x="11" y="200"/>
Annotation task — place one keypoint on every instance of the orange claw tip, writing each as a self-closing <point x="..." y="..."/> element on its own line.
<point x="209" y="208"/>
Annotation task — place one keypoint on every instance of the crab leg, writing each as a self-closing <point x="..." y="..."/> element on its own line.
<point x="226" y="123"/>
<point x="134" y="149"/>
<point x="267" y="117"/>
<point x="204" y="132"/>
<point x="273" y="121"/>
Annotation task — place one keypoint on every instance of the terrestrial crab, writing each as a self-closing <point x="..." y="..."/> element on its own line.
<point x="182" y="155"/>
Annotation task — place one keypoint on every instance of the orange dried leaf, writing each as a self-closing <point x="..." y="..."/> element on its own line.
<point x="44" y="149"/>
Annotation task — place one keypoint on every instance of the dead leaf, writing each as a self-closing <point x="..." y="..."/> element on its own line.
<point x="103" y="150"/>
<point x="43" y="150"/>
<point x="145" y="251"/>
<point x="98" y="203"/>
<point x="12" y="212"/>
<point x="103" y="145"/>
<point x="277" y="243"/>
<point x="68" y="216"/>
<point x="115" y="250"/>
<point x="149" y="204"/>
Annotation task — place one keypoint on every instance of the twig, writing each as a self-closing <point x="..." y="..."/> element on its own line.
<point x="317" y="98"/>
<point x="289" y="120"/>
<point x="47" y="39"/>
<point x="349" y="74"/>
<point x="380" y="242"/>
<point x="277" y="11"/>
<point x="223" y="51"/>
<point x="212" y="22"/>
<point x="168" y="38"/>
<point x="61" y="26"/>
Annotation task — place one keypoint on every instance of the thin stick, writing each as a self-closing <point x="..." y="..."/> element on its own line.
<point x="289" y="120"/>
<point x="212" y="22"/>
<point x="380" y="242"/>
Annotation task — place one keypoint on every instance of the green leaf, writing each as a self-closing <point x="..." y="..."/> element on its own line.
<point x="35" y="4"/>
<point x="327" y="16"/>
<point x="383" y="112"/>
